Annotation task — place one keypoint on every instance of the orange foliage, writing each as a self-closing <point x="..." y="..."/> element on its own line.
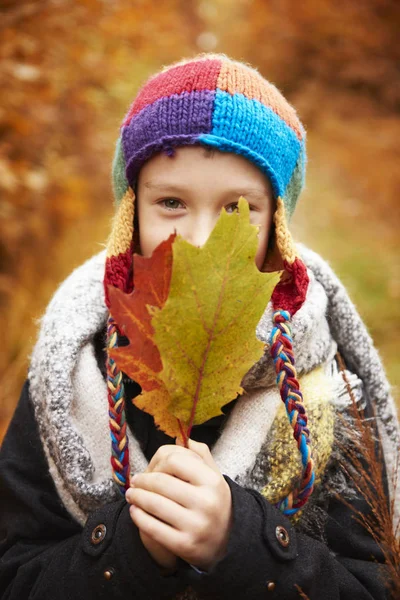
<point x="68" y="71"/>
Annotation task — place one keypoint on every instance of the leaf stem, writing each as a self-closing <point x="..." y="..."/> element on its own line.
<point x="184" y="436"/>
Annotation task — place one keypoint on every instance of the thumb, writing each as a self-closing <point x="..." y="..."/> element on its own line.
<point x="203" y="451"/>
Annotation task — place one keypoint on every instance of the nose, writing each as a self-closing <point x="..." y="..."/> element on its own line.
<point x="200" y="230"/>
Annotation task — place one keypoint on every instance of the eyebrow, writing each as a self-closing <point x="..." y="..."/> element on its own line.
<point x="176" y="189"/>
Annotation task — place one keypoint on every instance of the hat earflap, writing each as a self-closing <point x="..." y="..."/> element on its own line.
<point x="288" y="297"/>
<point x="118" y="273"/>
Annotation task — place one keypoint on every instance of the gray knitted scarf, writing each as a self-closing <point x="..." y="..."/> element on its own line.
<point x="69" y="393"/>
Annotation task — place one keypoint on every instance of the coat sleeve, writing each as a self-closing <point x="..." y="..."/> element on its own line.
<point x="267" y="558"/>
<point x="44" y="553"/>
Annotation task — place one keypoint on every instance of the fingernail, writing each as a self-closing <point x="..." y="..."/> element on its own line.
<point x="132" y="482"/>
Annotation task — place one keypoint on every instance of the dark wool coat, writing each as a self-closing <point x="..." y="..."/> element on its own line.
<point x="46" y="555"/>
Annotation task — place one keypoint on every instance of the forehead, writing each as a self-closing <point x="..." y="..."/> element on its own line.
<point x="202" y="166"/>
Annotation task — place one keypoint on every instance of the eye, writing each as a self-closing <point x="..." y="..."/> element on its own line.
<point x="171" y="203"/>
<point x="232" y="207"/>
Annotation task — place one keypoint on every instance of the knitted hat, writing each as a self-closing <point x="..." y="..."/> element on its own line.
<point x="219" y="103"/>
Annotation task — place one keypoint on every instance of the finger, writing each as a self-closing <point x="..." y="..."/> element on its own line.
<point x="160" y="532"/>
<point x="164" y="451"/>
<point x="187" y="466"/>
<point x="166" y="485"/>
<point x="203" y="451"/>
<point x="162" y="508"/>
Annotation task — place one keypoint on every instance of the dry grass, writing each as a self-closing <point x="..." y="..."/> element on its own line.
<point x="364" y="466"/>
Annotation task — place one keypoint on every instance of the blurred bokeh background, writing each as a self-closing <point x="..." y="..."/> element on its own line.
<point x="68" y="72"/>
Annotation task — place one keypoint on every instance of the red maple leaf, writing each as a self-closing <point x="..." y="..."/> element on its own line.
<point x="140" y="359"/>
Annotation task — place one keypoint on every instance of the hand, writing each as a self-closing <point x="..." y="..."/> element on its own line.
<point x="163" y="557"/>
<point x="183" y="503"/>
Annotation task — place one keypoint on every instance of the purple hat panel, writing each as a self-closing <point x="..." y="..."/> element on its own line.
<point x="194" y="76"/>
<point x="168" y="122"/>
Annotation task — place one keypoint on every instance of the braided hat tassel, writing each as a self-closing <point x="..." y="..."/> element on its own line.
<point x="289" y="295"/>
<point x="118" y="273"/>
<point x="116" y="411"/>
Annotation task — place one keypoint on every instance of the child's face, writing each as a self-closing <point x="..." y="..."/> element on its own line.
<point x="185" y="193"/>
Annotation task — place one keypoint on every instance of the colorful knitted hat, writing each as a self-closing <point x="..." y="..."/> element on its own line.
<point x="219" y="103"/>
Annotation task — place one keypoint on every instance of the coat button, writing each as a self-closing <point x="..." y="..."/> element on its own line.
<point x="270" y="586"/>
<point x="109" y="574"/>
<point x="98" y="534"/>
<point x="282" y="536"/>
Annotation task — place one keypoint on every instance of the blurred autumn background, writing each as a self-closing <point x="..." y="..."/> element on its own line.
<point x="68" y="72"/>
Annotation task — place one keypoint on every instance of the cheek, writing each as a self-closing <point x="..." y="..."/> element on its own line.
<point x="145" y="238"/>
<point x="263" y="236"/>
<point x="152" y="230"/>
<point x="151" y="235"/>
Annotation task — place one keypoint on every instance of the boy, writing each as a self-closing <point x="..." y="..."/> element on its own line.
<point x="244" y="512"/>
